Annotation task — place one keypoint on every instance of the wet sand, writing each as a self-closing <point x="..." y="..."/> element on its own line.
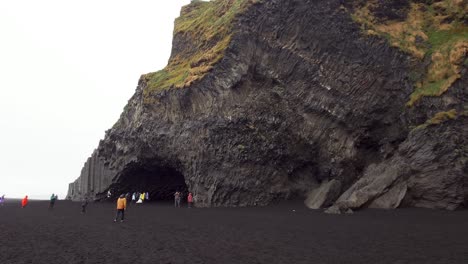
<point x="159" y="233"/>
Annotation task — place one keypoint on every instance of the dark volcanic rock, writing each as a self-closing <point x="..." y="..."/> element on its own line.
<point x="323" y="196"/>
<point x="300" y="98"/>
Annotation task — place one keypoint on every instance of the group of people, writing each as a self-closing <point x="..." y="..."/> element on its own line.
<point x="122" y="202"/>
<point x="24" y="201"/>
<point x="140" y="197"/>
<point x="178" y="196"/>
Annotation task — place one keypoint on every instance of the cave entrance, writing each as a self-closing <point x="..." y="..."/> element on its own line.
<point x="161" y="182"/>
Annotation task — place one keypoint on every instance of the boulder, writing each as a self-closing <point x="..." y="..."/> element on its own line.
<point x="324" y="195"/>
<point x="392" y="198"/>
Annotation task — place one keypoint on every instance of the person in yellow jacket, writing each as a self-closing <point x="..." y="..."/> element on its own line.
<point x="121" y="206"/>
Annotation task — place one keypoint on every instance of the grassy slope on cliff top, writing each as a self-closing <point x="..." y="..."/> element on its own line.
<point x="434" y="29"/>
<point x="209" y="27"/>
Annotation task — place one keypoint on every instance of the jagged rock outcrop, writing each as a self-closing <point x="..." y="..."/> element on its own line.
<point x="300" y="97"/>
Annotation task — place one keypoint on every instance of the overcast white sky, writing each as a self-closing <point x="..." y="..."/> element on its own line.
<point x="67" y="69"/>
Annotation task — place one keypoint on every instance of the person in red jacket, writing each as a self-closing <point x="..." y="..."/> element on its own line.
<point x="24" y="202"/>
<point x="121" y="206"/>
<point x="189" y="200"/>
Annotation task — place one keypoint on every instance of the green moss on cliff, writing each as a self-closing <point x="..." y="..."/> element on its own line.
<point x="434" y="29"/>
<point x="439" y="118"/>
<point x="207" y="28"/>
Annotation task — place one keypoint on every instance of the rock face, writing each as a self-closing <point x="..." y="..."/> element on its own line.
<point x="323" y="196"/>
<point x="94" y="180"/>
<point x="301" y="100"/>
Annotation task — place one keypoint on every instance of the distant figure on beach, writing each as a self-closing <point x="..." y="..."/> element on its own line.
<point x="24" y="202"/>
<point x="134" y="197"/>
<point x="109" y="194"/>
<point x="139" y="198"/>
<point x="2" y="200"/>
<point x="121" y="206"/>
<point x="53" y="198"/>
<point x="189" y="200"/>
<point x="147" y="196"/>
<point x="142" y="197"/>
<point x="83" y="205"/>
<point x="177" y="199"/>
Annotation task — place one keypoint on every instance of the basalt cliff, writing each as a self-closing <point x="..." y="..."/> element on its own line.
<point x="348" y="104"/>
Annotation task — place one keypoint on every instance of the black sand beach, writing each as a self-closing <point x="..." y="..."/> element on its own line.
<point x="158" y="233"/>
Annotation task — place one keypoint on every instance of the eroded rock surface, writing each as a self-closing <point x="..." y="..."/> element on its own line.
<point x="324" y="195"/>
<point x="301" y="98"/>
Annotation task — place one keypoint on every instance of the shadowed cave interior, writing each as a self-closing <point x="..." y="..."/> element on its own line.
<point x="160" y="181"/>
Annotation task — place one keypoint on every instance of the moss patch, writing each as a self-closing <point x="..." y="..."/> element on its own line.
<point x="439" y="118"/>
<point x="206" y="27"/>
<point x="435" y="29"/>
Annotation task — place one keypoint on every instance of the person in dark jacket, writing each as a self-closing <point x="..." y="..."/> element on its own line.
<point x="83" y="205"/>
<point x="53" y="198"/>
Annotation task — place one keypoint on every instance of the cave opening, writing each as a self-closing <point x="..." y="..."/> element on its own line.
<point x="161" y="182"/>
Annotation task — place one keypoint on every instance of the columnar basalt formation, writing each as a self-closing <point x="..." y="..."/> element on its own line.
<point x="301" y="103"/>
<point x="94" y="180"/>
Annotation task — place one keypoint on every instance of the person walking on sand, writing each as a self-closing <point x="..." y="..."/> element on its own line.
<point x="83" y="205"/>
<point x="147" y="196"/>
<point x="134" y="197"/>
<point x="2" y="200"/>
<point x="142" y="197"/>
<point x="177" y="199"/>
<point x="53" y="198"/>
<point x="189" y="200"/>
<point x="24" y="202"/>
<point x="121" y="206"/>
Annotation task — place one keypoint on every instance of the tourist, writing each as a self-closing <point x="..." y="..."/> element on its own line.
<point x="177" y="199"/>
<point x="189" y="200"/>
<point x="147" y="196"/>
<point x="2" y="200"/>
<point x="83" y="205"/>
<point x="140" y="200"/>
<point x="24" y="202"/>
<point x="134" y="196"/>
<point x="109" y="194"/>
<point x="142" y="197"/>
<point x="121" y="206"/>
<point x="52" y="201"/>
<point x="128" y="196"/>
